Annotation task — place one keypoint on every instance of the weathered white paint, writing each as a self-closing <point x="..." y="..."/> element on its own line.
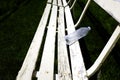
<point x="105" y="52"/>
<point x="83" y="13"/>
<point x="73" y="4"/>
<point x="46" y="71"/>
<point x="28" y="66"/>
<point x="78" y="68"/>
<point x="63" y="63"/>
<point x="111" y="6"/>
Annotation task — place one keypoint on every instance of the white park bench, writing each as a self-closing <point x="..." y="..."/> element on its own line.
<point x="55" y="23"/>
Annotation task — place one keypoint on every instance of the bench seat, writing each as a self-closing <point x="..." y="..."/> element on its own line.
<point x="60" y="61"/>
<point x="51" y="32"/>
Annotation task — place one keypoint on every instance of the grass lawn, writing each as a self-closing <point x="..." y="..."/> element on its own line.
<point x="18" y="23"/>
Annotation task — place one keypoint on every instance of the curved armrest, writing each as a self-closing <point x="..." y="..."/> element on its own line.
<point x="105" y="52"/>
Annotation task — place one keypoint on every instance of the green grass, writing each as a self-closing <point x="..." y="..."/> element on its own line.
<point x="16" y="33"/>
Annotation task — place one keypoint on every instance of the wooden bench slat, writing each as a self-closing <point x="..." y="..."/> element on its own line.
<point x="46" y="70"/>
<point x="28" y="66"/>
<point x="78" y="67"/>
<point x="111" y="6"/>
<point x="63" y="62"/>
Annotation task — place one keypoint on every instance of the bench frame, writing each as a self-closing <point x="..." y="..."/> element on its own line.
<point x="52" y="27"/>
